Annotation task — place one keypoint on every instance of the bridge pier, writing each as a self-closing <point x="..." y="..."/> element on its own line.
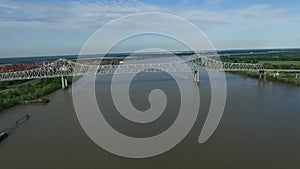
<point x="262" y="75"/>
<point x="197" y="76"/>
<point x="275" y="74"/>
<point x="64" y="82"/>
<point x="265" y="76"/>
<point x="297" y="76"/>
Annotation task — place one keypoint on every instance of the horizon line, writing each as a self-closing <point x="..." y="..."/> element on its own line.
<point x="128" y="52"/>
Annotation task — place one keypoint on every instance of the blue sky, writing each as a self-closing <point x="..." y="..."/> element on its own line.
<point x="44" y="27"/>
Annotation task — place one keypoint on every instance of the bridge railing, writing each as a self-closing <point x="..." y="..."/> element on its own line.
<point x="212" y="64"/>
<point x="64" y="67"/>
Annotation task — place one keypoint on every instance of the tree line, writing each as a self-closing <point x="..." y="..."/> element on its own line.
<point x="12" y="93"/>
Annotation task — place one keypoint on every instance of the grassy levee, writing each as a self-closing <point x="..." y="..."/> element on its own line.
<point x="288" y="78"/>
<point x="279" y="62"/>
<point x="11" y="93"/>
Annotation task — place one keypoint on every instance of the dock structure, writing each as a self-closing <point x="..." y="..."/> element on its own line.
<point x="197" y="76"/>
<point x="298" y="76"/>
<point x="9" y="130"/>
<point x="3" y="135"/>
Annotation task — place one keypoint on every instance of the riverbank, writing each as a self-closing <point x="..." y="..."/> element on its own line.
<point x="14" y="93"/>
<point x="285" y="60"/>
<point x="287" y="78"/>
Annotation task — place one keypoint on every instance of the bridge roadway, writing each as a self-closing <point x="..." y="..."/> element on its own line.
<point x="63" y="68"/>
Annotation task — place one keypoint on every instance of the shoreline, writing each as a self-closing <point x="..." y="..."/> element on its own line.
<point x="285" y="79"/>
<point x="13" y="96"/>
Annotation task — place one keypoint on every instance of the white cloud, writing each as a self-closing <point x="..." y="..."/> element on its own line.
<point x="69" y="14"/>
<point x="213" y="2"/>
<point x="7" y="6"/>
<point x="253" y="16"/>
<point x="71" y="23"/>
<point x="84" y="14"/>
<point x="205" y="17"/>
<point x="263" y="14"/>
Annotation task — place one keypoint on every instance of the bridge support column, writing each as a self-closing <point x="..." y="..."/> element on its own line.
<point x="262" y="75"/>
<point x="265" y="76"/>
<point x="297" y="76"/>
<point x="275" y="74"/>
<point x="64" y="83"/>
<point x="197" y="76"/>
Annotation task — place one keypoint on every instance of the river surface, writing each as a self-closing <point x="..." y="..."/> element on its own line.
<point x="260" y="128"/>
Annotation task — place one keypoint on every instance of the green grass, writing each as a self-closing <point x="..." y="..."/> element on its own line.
<point x="288" y="78"/>
<point x="279" y="62"/>
<point x="13" y="93"/>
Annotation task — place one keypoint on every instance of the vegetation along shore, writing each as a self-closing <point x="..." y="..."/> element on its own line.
<point x="15" y="92"/>
<point x="280" y="60"/>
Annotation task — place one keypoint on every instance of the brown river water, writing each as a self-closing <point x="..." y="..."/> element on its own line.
<point x="260" y="128"/>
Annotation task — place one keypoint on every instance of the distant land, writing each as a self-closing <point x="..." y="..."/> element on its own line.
<point x="230" y="52"/>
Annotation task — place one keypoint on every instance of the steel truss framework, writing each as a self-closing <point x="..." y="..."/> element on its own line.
<point x="63" y="67"/>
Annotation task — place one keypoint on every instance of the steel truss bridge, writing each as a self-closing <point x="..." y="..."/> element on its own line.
<point x="64" y="68"/>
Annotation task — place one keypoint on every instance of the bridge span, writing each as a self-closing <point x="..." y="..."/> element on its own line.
<point x="63" y="68"/>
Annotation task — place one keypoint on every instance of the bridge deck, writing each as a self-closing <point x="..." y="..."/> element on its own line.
<point x="63" y="67"/>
